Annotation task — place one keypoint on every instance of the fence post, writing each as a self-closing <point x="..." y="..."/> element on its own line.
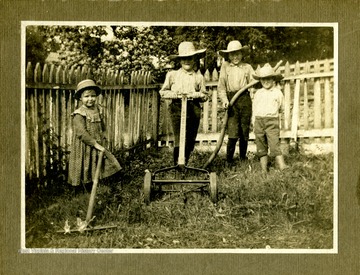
<point x="37" y="79"/>
<point x="328" y="97"/>
<point x="287" y="97"/>
<point x="214" y="102"/>
<point x="306" y="99"/>
<point x="296" y="107"/>
<point x="317" y="99"/>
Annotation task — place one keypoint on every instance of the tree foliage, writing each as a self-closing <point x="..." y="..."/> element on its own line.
<point x="35" y="50"/>
<point x="267" y="44"/>
<point x="147" y="47"/>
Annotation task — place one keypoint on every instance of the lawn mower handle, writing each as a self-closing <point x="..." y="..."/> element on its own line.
<point x="191" y="95"/>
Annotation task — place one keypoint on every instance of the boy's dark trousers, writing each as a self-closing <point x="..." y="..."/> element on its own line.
<point x="192" y="126"/>
<point x="238" y="127"/>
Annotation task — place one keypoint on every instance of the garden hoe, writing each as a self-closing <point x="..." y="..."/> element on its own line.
<point x="226" y="117"/>
<point x="84" y="225"/>
<point x="151" y="180"/>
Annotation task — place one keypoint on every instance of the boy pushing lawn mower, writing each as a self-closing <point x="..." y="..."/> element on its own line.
<point x="185" y="81"/>
<point x="186" y="89"/>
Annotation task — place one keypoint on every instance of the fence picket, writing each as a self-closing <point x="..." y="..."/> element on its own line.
<point x="84" y="72"/>
<point x="155" y="115"/>
<point x="138" y="116"/>
<point x="215" y="75"/>
<point x="57" y="122"/>
<point x="116" y="119"/>
<point x="306" y="99"/>
<point x="29" y="73"/>
<point x="71" y="77"/>
<point x="295" y="112"/>
<point x="131" y="112"/>
<point x="27" y="132"/>
<point x="36" y="133"/>
<point x="30" y="130"/>
<point x="109" y="120"/>
<point x="138" y="111"/>
<point x="328" y="97"/>
<point x="77" y="75"/>
<point x="287" y="98"/>
<point x="205" y="116"/>
<point x="214" y="110"/>
<point x="37" y="73"/>
<point x="317" y="99"/>
<point x="122" y="120"/>
<point x="52" y="74"/>
<point x="207" y="75"/>
<point x="45" y="74"/>
<point x="43" y="125"/>
<point x="58" y="75"/>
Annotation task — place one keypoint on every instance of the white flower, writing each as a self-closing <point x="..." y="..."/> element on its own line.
<point x="67" y="227"/>
<point x="81" y="225"/>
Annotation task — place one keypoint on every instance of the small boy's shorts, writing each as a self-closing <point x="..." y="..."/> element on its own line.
<point x="267" y="136"/>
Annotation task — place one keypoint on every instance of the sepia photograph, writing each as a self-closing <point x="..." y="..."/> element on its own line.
<point x="211" y="137"/>
<point x="179" y="138"/>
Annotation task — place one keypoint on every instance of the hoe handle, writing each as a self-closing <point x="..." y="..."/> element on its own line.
<point x="94" y="187"/>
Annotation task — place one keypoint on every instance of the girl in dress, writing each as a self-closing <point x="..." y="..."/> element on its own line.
<point x="88" y="138"/>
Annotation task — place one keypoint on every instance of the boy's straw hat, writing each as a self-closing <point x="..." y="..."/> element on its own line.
<point x="187" y="49"/>
<point x="233" y="46"/>
<point x="267" y="71"/>
<point x="87" y="84"/>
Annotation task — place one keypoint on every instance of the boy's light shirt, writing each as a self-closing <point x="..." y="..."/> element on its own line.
<point x="181" y="81"/>
<point x="233" y="77"/>
<point x="268" y="102"/>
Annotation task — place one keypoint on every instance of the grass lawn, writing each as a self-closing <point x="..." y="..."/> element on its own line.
<point x="292" y="209"/>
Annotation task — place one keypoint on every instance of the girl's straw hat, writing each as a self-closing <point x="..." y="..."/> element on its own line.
<point x="233" y="46"/>
<point x="187" y="49"/>
<point x="267" y="71"/>
<point x="87" y="84"/>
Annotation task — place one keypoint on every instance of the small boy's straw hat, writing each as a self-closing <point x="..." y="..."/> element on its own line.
<point x="267" y="71"/>
<point x="233" y="46"/>
<point x="87" y="84"/>
<point x="187" y="49"/>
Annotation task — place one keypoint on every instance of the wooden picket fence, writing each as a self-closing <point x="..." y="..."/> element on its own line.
<point x="130" y="113"/>
<point x="135" y="116"/>
<point x="309" y="106"/>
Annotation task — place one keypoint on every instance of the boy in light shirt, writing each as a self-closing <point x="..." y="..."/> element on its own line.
<point x="268" y="103"/>
<point x="185" y="81"/>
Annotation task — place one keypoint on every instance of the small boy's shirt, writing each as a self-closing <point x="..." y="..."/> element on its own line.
<point x="181" y="81"/>
<point x="268" y="103"/>
<point x="233" y="77"/>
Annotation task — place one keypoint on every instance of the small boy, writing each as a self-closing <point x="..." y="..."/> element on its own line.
<point x="268" y="103"/>
<point x="185" y="81"/>
<point x="234" y="75"/>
